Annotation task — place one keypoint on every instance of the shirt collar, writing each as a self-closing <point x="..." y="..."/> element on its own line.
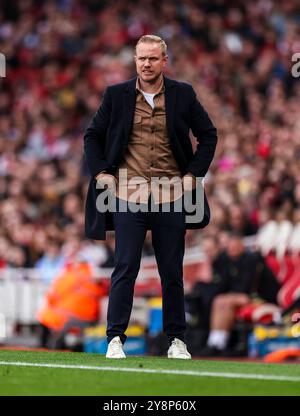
<point x="138" y="87"/>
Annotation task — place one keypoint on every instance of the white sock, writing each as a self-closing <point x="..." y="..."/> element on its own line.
<point x="218" y="338"/>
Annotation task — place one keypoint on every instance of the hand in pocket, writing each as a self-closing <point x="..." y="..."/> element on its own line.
<point x="106" y="180"/>
<point x="189" y="182"/>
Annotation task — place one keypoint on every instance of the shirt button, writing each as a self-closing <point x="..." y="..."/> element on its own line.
<point x="152" y="129"/>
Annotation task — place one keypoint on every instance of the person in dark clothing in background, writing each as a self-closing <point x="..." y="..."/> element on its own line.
<point x="199" y="300"/>
<point x="238" y="276"/>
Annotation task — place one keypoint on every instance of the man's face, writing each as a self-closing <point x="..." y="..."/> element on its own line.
<point x="235" y="248"/>
<point x="149" y="61"/>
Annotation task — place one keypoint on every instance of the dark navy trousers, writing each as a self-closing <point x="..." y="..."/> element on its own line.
<point x="168" y="232"/>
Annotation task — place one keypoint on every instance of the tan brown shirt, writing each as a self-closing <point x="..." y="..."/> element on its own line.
<point x="149" y="155"/>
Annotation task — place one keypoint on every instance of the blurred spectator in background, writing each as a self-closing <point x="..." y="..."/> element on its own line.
<point x="200" y="298"/>
<point x="239" y="223"/>
<point x="72" y="301"/>
<point x="239" y="278"/>
<point x="51" y="262"/>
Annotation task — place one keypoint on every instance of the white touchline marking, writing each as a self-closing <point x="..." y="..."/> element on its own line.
<point x="152" y="371"/>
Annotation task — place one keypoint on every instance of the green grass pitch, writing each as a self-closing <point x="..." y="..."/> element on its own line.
<point x="217" y="378"/>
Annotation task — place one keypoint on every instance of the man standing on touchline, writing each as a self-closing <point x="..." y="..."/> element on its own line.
<point x="142" y="128"/>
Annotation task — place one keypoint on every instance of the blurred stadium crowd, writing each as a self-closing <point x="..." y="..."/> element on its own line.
<point x="61" y="54"/>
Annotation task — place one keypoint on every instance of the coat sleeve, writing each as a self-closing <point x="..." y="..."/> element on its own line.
<point x="206" y="135"/>
<point x="95" y="136"/>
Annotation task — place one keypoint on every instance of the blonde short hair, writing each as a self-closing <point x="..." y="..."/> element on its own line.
<point x="155" y="39"/>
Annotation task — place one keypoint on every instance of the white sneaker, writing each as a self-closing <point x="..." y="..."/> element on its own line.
<point x="115" y="349"/>
<point x="178" y="350"/>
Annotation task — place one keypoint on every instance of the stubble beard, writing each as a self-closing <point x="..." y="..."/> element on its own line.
<point x="152" y="80"/>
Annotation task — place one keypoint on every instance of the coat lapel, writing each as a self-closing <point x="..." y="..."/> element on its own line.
<point x="170" y="103"/>
<point x="129" y="99"/>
